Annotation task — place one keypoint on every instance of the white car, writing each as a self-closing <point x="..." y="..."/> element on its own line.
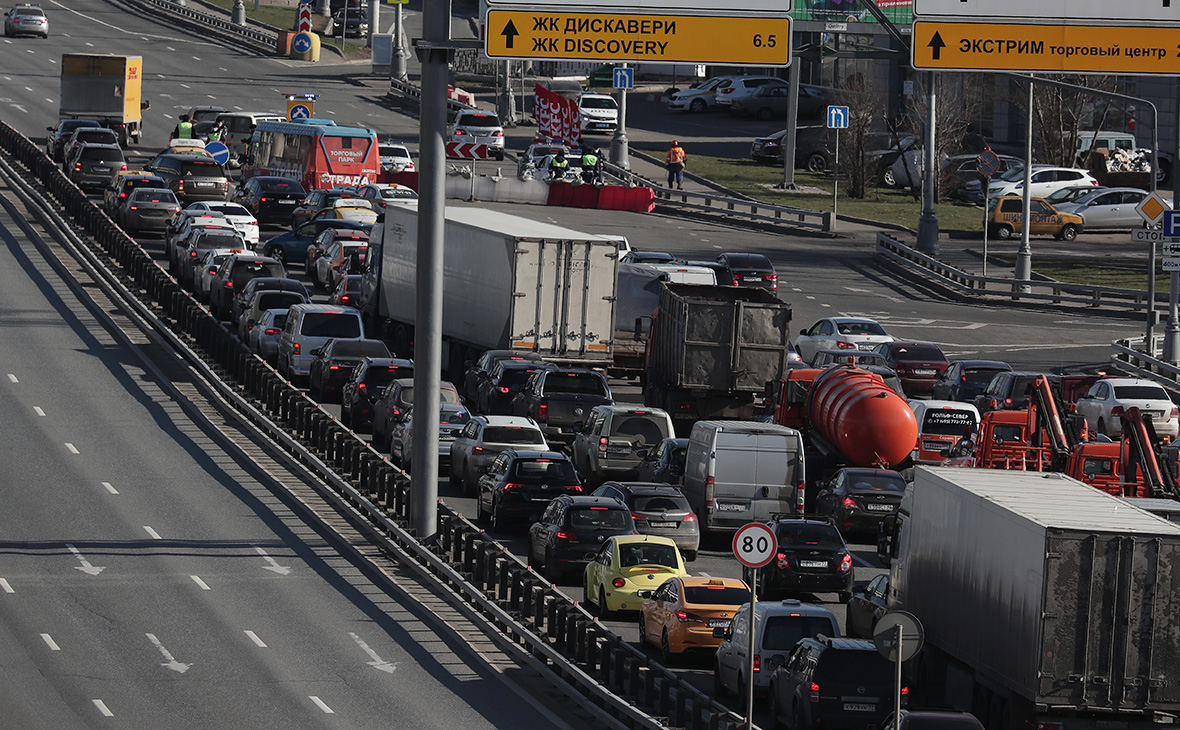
<point x="478" y="127"/>
<point x="1045" y="180"/>
<point x="242" y="219"/>
<point x="743" y="87"/>
<point x="381" y="194"/>
<point x="1107" y="208"/>
<point x="698" y="97"/>
<point x="1107" y="399"/>
<point x="206" y="270"/>
<point x="600" y="112"/>
<point x="482" y="440"/>
<point x="395" y="158"/>
<point x="840" y="333"/>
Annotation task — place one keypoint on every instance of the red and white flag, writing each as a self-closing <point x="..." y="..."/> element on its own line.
<point x="558" y="118"/>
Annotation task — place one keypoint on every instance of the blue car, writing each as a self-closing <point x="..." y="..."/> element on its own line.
<point x="293" y="246"/>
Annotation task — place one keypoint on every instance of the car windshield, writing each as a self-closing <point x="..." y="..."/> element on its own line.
<point x="947" y="421"/>
<point x="379" y="377"/>
<point x="361" y="348"/>
<point x="940" y="722"/>
<point x="219" y="240"/>
<point x="252" y="269"/>
<point x="647" y="553"/>
<point x="512" y="435"/>
<point x="1016" y="173"/>
<point x="391" y="151"/>
<point x="445" y="395"/>
<point x="341" y="325"/>
<point x="599" y="518"/>
<point x="153" y="196"/>
<point x="598" y="102"/>
<point x="980" y="375"/>
<point x="783" y="632"/>
<point x="807" y="534"/>
<point x="661" y="503"/>
<point x="203" y="169"/>
<point x="453" y="417"/>
<point x="543" y="470"/>
<point x="860" y="327"/>
<point x="584" y="383"/>
<point x="923" y="354"/>
<point x="279" y="299"/>
<point x="94" y="134"/>
<point x="856" y="665"/>
<point x="102" y="154"/>
<point x="282" y="186"/>
<point x="879" y="482"/>
<point x="398" y="193"/>
<point x="479" y="120"/>
<point x="513" y="377"/>
<point x="716" y="595"/>
<point x="1139" y="392"/>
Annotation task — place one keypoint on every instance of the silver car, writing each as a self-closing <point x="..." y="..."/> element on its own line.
<point x="482" y="440"/>
<point x="658" y="509"/>
<point x="263" y="338"/>
<point x="147" y="208"/>
<point x="1108" y="208"/>
<point x="451" y="420"/>
<point x="26" y="20"/>
<point x="478" y="127"/>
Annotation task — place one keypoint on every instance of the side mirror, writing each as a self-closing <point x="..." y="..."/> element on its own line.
<point x="591" y="555"/>
<point x="642" y="453"/>
<point x="804" y="332"/>
<point x="317" y="352"/>
<point x="145" y="105"/>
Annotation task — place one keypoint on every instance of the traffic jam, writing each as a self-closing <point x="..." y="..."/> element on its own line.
<point x="665" y="471"/>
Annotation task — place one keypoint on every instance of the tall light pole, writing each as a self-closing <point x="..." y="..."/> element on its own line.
<point x="928" y="222"/>
<point x="397" y="69"/>
<point x="619" y="149"/>
<point x="1024" y="255"/>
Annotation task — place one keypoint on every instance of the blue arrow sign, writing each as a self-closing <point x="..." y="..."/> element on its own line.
<point x="300" y="111"/>
<point x="301" y="43"/>
<point x="624" y="78"/>
<point x="219" y="151"/>
<point x="837" y="117"/>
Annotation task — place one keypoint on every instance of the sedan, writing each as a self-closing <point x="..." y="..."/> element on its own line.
<point x="380" y="195"/>
<point x="347" y="292"/>
<point x="747" y="269"/>
<point x="483" y="439"/>
<point x="859" y="358"/>
<point x="918" y="364"/>
<point x="858" y="499"/>
<point x="965" y="379"/>
<point x="334" y="362"/>
<point x="451" y="419"/>
<point x="1106" y="401"/>
<point x="1109" y="208"/>
<point x="205" y="271"/>
<point x="843" y="333"/>
<point x="812" y="557"/>
<point x="680" y="616"/>
<point x="627" y="564"/>
<point x="396" y="400"/>
<point x="271" y="199"/>
<point x="147" y="209"/>
<point x="867" y="606"/>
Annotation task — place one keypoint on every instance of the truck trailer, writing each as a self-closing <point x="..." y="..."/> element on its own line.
<point x="106" y="88"/>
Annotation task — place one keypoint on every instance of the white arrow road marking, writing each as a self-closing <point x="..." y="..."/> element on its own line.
<point x="378" y="662"/>
<point x="171" y="663"/>
<point x="109" y="488"/>
<point x="85" y="566"/>
<point x="12" y="378"/>
<point x="102" y="707"/>
<point x="200" y="583"/>
<point x="254" y="637"/>
<point x="4" y="584"/>
<point x="72" y="449"/>
<point x="271" y="563"/>
<point x="151" y="533"/>
<point x="38" y="411"/>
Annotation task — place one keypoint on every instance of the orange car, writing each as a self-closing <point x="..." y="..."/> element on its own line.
<point x="681" y="614"/>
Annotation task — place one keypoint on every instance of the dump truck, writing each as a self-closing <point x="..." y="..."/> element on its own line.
<point x="106" y="88"/>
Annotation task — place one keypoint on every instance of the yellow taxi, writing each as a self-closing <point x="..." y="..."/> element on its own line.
<point x="627" y="564"/>
<point x="1005" y="219"/>
<point x="681" y="614"/>
<point x="187" y="147"/>
<point x="348" y="209"/>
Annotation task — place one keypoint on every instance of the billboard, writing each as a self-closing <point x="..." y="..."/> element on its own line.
<point x="900" y="12"/>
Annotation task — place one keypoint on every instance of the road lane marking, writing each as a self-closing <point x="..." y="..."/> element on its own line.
<point x="151" y="533"/>
<point x="377" y="662"/>
<point x="199" y="582"/>
<point x="863" y="563"/>
<point x="109" y="488"/>
<point x="254" y="637"/>
<point x="271" y="564"/>
<point x="85" y="566"/>
<point x="12" y="378"/>
<point x="50" y="642"/>
<point x="321" y="704"/>
<point x="73" y="449"/>
<point x="4" y="584"/>
<point x="169" y="661"/>
<point x="102" y="707"/>
<point x="38" y="411"/>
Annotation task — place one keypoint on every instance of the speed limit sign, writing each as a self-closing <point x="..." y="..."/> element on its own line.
<point x="754" y="545"/>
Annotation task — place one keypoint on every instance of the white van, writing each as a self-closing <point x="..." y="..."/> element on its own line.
<point x="941" y="423"/>
<point x="239" y="126"/>
<point x="308" y="328"/>
<point x="777" y="626"/>
<point x="743" y="471"/>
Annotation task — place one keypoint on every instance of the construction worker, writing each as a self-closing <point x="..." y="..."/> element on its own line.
<point x="674" y="162"/>
<point x="591" y="165"/>
<point x="184" y="130"/>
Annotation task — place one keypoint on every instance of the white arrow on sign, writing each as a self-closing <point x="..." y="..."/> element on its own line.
<point x="272" y="564"/>
<point x="378" y="662"/>
<point x="85" y="566"/>
<point x="171" y="663"/>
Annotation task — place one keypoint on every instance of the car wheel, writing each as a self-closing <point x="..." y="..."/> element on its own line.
<point x="456" y="482"/>
<point x="888" y="178"/>
<point x="690" y="555"/>
<point x="697" y="105"/>
<point x="346" y="417"/>
<point x="279" y="255"/>
<point x="642" y="631"/>
<point x="797" y="719"/>
<point x="666" y="655"/>
<point x="499" y="523"/>
<point x="1004" y="232"/>
<point x="1164" y="173"/>
<point x="719" y="688"/>
<point x="482" y="516"/>
<point x="1069" y="232"/>
<point x="603" y="611"/>
<point x="816" y="162"/>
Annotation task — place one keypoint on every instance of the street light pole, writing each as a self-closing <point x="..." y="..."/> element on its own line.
<point x="928" y="222"/>
<point x="619" y="149"/>
<point x="397" y="69"/>
<point x="1172" y="328"/>
<point x="1024" y="255"/>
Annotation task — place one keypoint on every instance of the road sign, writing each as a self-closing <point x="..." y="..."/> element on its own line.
<point x="885" y="636"/>
<point x="988" y="163"/>
<point x="1171" y="248"/>
<point x="1148" y="235"/>
<point x="467" y="150"/>
<point x="754" y="545"/>
<point x="1171" y="264"/>
<point x="298" y="110"/>
<point x="1142" y="10"/>
<point x="776" y="8"/>
<point x="301" y="43"/>
<point x="838" y="117"/>
<point x="982" y="46"/>
<point x="1171" y="217"/>
<point x="219" y="151"/>
<point x="652" y="38"/>
<point x="624" y="78"/>
<point x="304" y="23"/>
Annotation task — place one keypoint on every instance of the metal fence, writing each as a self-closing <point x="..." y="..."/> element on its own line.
<point x="527" y="608"/>
<point x="267" y="39"/>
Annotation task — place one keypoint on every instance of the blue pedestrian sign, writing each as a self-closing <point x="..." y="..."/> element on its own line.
<point x="301" y="43"/>
<point x="300" y="111"/>
<point x="624" y="78"/>
<point x="837" y="117"/>
<point x="219" y="151"/>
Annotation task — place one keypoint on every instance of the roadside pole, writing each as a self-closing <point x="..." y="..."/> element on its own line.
<point x="754" y="545"/>
<point x="620" y="153"/>
<point x="986" y="165"/>
<point x="1172" y="328"/>
<point x="1024" y="255"/>
<point x="790" y="139"/>
<point x="838" y="118"/>
<point x="928" y="221"/>
<point x="750" y="653"/>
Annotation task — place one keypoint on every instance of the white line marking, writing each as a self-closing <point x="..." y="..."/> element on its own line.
<point x="85" y="566"/>
<point x="151" y="533"/>
<point x="271" y="563"/>
<point x="110" y="489"/>
<point x="73" y="449"/>
<point x="49" y="100"/>
<point x="378" y="662"/>
<point x="171" y="663"/>
<point x="186" y="86"/>
<point x="38" y="411"/>
<point x="170" y="48"/>
<point x="254" y="637"/>
<point x="199" y="582"/>
<point x="102" y="707"/>
<point x="50" y="642"/>
<point x="12" y="378"/>
<point x="28" y="88"/>
<point x="4" y="584"/>
<point x="320" y="704"/>
<point x="90" y="44"/>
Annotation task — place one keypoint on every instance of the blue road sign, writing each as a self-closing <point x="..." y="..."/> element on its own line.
<point x="624" y="78"/>
<point x="219" y="151"/>
<point x="301" y="43"/>
<point x="300" y="111"/>
<point x="1172" y="222"/>
<point x="837" y="117"/>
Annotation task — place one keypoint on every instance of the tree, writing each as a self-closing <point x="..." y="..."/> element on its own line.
<point x="1060" y="115"/>
<point x="866" y="108"/>
<point x="956" y="106"/>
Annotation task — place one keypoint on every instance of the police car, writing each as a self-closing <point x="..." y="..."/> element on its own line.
<point x="26" y="20"/>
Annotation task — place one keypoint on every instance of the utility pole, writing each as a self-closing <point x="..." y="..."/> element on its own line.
<point x="928" y="222"/>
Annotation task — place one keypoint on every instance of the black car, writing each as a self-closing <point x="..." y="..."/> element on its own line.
<point x="270" y="198"/>
<point x="965" y="379"/>
<point x="1009" y="391"/>
<point x="572" y="529"/>
<point x="478" y="371"/>
<point x="832" y="683"/>
<point x="867" y="606"/>
<point x="364" y="387"/>
<point x="664" y="463"/>
<point x="93" y="165"/>
<point x="262" y="293"/>
<point x="333" y="364"/>
<point x="519" y="485"/>
<point x="747" y="269"/>
<point x="812" y="558"/>
<point x="59" y="135"/>
<point x="495" y="393"/>
<point x="858" y="499"/>
<point x="354" y="21"/>
<point x="191" y="177"/>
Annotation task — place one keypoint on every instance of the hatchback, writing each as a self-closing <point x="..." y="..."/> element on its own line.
<point x="812" y="558"/>
<point x="121" y="185"/>
<point x="94" y="164"/>
<point x="747" y="269"/>
<point x="347" y="292"/>
<point x="858" y="499"/>
<point x="495" y="393"/>
<point x="262" y="293"/>
<point x="234" y="274"/>
<point x="334" y="361"/>
<point x="479" y="370"/>
<point x="205" y="271"/>
<point x="519" y="484"/>
<point x="681" y="615"/>
<point x="1109" y="208"/>
<point x="626" y="565"/>
<point x="1105" y="402"/>
<point x="1009" y="391"/>
<point x="270" y="198"/>
<point x="451" y="419"/>
<point x="918" y="364"/>
<point x="658" y="509"/>
<point x="147" y="209"/>
<point x="833" y="683"/>
<point x="200" y="239"/>
<point x="965" y="379"/>
<point x="478" y="127"/>
<point x="571" y="531"/>
<point x="365" y="386"/>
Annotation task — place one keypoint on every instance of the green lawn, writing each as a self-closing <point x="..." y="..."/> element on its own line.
<point x="1115" y="272"/>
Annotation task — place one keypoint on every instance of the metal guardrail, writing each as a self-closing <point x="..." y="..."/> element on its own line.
<point x="410" y="90"/>
<point x="526" y="608"/>
<point x="266" y="39"/>
<point x="997" y="288"/>
<point x="1133" y="354"/>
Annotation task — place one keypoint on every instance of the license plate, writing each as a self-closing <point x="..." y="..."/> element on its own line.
<point x="662" y="524"/>
<point x="879" y="507"/>
<point x="719" y="623"/>
<point x="286" y="202"/>
<point x="813" y="563"/>
<point x="866" y="346"/>
<point x="204" y="184"/>
<point x="751" y="278"/>
<point x="924" y="371"/>
<point x="723" y="507"/>
<point x="101" y="169"/>
<point x="619" y="450"/>
<point x="859" y="707"/>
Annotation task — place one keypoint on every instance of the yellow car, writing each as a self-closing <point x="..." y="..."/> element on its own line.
<point x="348" y="209"/>
<point x="1004" y="220"/>
<point x="681" y="614"/>
<point x="627" y="564"/>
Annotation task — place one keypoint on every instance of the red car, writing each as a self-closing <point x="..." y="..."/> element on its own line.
<point x="918" y="364"/>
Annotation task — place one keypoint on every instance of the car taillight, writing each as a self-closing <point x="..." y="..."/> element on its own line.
<point x="565" y="535"/>
<point x="737" y="281"/>
<point x="757" y="663"/>
<point x="638" y="517"/>
<point x="1008" y="401"/>
<point x="782" y="561"/>
<point x="295" y="347"/>
<point x="574" y="487"/>
<point x="813" y="695"/>
<point x="77" y="166"/>
<point x="124" y="167"/>
<point x="1175" y="412"/>
<point x="477" y="449"/>
<point x="459" y="131"/>
<point x="264" y="200"/>
<point x="846" y="563"/>
<point x="618" y="582"/>
<point x="270" y="331"/>
<point x="499" y="133"/>
<point x="512" y="486"/>
<point x="800" y="496"/>
<point x="543" y="412"/>
<point x="123" y="195"/>
<point x="192" y="254"/>
<point x="333" y="367"/>
<point x="502" y="389"/>
<point x="905" y="691"/>
<point x="361" y="387"/>
<point x="134" y="207"/>
<point x="848" y="502"/>
<point x="690" y="517"/>
<point x="602" y="444"/>
<point x="686" y="617"/>
<point x="229" y="284"/>
<point x="1116" y="411"/>
<point x="251" y="223"/>
<point x="846" y="345"/>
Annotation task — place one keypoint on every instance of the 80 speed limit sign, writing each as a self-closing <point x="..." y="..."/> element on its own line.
<point x="754" y="545"/>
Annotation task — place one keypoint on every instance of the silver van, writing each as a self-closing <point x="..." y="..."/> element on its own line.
<point x="743" y="471"/>
<point x="777" y="626"/>
<point x="239" y="126"/>
<point x="308" y="328"/>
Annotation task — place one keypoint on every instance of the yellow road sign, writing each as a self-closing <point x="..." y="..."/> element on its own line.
<point x="1110" y="49"/>
<point x="758" y="41"/>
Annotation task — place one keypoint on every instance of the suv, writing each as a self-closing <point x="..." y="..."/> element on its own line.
<point x="658" y="509"/>
<point x="571" y="529"/>
<point x="334" y="362"/>
<point x="364" y="387"/>
<point x="812" y="558"/>
<point x="191" y="177"/>
<point x="121" y="185"/>
<point x="94" y="164"/>
<point x="778" y="626"/>
<point x="59" y="135"/>
<point x="918" y="364"/>
<point x="518" y="486"/>
<point x="495" y="393"/>
<point x="308" y="327"/>
<point x="234" y="274"/>
<point x="481" y="369"/>
<point x="87" y="135"/>
<point x="832" y="683"/>
<point x="1045" y="179"/>
<point x="483" y="439"/>
<point x="614" y="440"/>
<point x="478" y="127"/>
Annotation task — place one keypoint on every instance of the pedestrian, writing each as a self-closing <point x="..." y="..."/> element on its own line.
<point x="675" y="164"/>
<point x="558" y="166"/>
<point x="591" y="165"/>
<point x="184" y="129"/>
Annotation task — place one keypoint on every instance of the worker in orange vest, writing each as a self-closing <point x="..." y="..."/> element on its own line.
<point x="675" y="164"/>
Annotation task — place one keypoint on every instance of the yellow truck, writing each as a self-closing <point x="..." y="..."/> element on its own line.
<point x="105" y="88"/>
